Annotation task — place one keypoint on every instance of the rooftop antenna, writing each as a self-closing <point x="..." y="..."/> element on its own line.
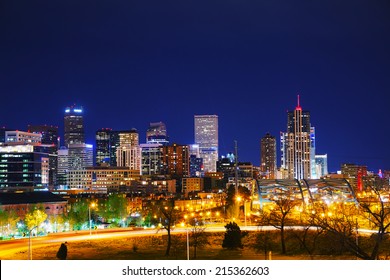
<point x="298" y="106"/>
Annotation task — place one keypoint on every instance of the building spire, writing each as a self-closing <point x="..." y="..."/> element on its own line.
<point x="298" y="106"/>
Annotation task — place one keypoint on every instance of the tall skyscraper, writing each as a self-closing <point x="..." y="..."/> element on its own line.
<point x="157" y="134"/>
<point x="74" y="125"/>
<point x="296" y="144"/>
<point x="206" y="136"/>
<point x="268" y="156"/>
<point x="102" y="155"/>
<point x="121" y="138"/>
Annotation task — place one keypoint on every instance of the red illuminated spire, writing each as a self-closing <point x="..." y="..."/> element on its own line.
<point x="298" y="106"/>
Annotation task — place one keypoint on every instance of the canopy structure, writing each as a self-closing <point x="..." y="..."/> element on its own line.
<point x="310" y="190"/>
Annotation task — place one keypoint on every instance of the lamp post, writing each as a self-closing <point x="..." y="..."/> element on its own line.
<point x="89" y="216"/>
<point x="188" y="240"/>
<point x="29" y="243"/>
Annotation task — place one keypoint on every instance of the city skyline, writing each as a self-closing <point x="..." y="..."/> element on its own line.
<point x="130" y="64"/>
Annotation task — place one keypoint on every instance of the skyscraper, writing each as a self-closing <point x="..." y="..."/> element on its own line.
<point x="74" y="125"/>
<point x="157" y="134"/>
<point x="206" y="136"/>
<point x="121" y="138"/>
<point x="128" y="151"/>
<point x="268" y="156"/>
<point x="296" y="144"/>
<point x="102" y="155"/>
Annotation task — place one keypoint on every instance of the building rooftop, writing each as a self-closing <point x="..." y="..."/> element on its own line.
<point x="29" y="198"/>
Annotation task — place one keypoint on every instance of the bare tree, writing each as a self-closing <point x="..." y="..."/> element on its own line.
<point x="169" y="215"/>
<point x="279" y="216"/>
<point x="376" y="208"/>
<point x="371" y="209"/>
<point x="198" y="237"/>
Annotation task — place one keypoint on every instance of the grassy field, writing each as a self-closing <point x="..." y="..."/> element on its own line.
<point x="151" y="248"/>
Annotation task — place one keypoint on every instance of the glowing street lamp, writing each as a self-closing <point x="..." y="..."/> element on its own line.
<point x="92" y="205"/>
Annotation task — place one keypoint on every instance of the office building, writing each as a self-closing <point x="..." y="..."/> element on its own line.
<point x="354" y="174"/>
<point x="206" y="136"/>
<point x="121" y="138"/>
<point x="102" y="154"/>
<point x="296" y="144"/>
<point x="268" y="156"/>
<point x="62" y="168"/>
<point x="74" y="125"/>
<point x="176" y="160"/>
<point x="22" y="137"/>
<point x="321" y="164"/>
<point x="49" y="134"/>
<point x="80" y="156"/>
<point x="26" y="166"/>
<point x="157" y="134"/>
<point x="151" y="159"/>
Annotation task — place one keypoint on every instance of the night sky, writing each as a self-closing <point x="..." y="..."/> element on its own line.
<point x="129" y="63"/>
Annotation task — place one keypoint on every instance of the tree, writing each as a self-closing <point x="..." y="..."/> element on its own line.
<point x="232" y="238"/>
<point x="197" y="236"/>
<point x="279" y="216"/>
<point x="114" y="208"/>
<point x="35" y="218"/>
<point x="78" y="213"/>
<point x="377" y="211"/>
<point x="263" y="242"/>
<point x="169" y="215"/>
<point x="8" y="221"/>
<point x="343" y="223"/>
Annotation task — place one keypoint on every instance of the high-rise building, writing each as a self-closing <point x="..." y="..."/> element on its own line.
<point x="321" y="164"/>
<point x="74" y="125"/>
<point x="151" y="159"/>
<point x="296" y="144"/>
<point x="26" y="166"/>
<point x="121" y="138"/>
<point x="268" y="156"/>
<point x="129" y="156"/>
<point x="176" y="160"/>
<point x="206" y="136"/>
<point x="80" y="156"/>
<point x="50" y="137"/>
<point x="313" y="171"/>
<point x="157" y="134"/>
<point x="63" y="168"/>
<point x="102" y="154"/>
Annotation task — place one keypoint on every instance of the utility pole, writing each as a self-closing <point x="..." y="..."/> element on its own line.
<point x="237" y="208"/>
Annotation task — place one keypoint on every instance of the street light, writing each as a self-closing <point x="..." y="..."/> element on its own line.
<point x="188" y="241"/>
<point x="29" y="243"/>
<point x="89" y="216"/>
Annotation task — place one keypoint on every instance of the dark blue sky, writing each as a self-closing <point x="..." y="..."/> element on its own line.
<point x="129" y="63"/>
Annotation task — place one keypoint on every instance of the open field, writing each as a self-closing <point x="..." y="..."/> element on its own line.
<point x="153" y="248"/>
